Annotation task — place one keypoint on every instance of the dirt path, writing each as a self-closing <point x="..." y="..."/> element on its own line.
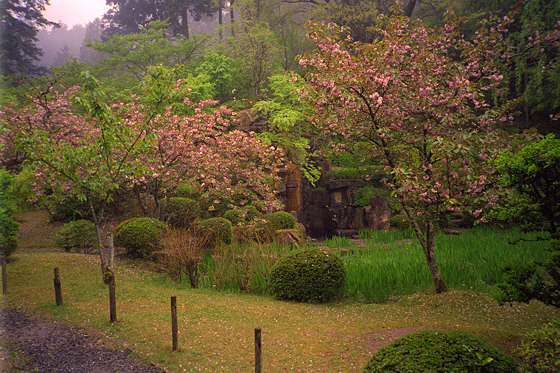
<point x="50" y="346"/>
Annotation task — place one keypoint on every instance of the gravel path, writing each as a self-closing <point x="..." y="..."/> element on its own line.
<point x="51" y="346"/>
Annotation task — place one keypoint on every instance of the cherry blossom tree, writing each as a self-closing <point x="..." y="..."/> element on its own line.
<point x="417" y="97"/>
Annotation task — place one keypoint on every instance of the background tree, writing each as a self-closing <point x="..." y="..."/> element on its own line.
<point x="20" y="21"/>
<point x="416" y="96"/>
<point x="130" y="16"/>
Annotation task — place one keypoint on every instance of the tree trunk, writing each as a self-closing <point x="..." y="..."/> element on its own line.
<point x="427" y="241"/>
<point x="99" y="238"/>
<point x="220" y="18"/>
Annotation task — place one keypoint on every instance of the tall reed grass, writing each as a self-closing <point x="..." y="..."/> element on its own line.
<point x="393" y="264"/>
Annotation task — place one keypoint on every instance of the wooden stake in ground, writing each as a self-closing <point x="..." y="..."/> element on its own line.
<point x="57" y="288"/>
<point x="174" y="322"/>
<point x="258" y="351"/>
<point x="4" y="276"/>
<point x="109" y="279"/>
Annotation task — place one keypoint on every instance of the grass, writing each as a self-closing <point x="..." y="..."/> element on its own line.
<point x="216" y="328"/>
<point x="392" y="264"/>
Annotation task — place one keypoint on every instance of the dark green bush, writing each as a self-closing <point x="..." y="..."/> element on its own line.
<point x="236" y="217"/>
<point x="71" y="208"/>
<point x="140" y="236"/>
<point x="187" y="190"/>
<point x="217" y="230"/>
<point x="540" y="349"/>
<point x="400" y="221"/>
<point x="437" y="351"/>
<point x="251" y="213"/>
<point x="308" y="275"/>
<point x="8" y="226"/>
<point x="362" y="196"/>
<point x="280" y="220"/>
<point x="181" y="212"/>
<point x="77" y="234"/>
<point x="345" y="173"/>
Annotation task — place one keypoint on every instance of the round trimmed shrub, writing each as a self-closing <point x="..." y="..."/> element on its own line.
<point x="236" y="217"/>
<point x="186" y="190"/>
<point x="251" y="213"/>
<point x="540" y="350"/>
<point x="280" y="220"/>
<point x="140" y="236"/>
<point x="308" y="275"/>
<point x="438" y="351"/>
<point x="181" y="212"/>
<point x="217" y="230"/>
<point x="400" y="221"/>
<point x="77" y="234"/>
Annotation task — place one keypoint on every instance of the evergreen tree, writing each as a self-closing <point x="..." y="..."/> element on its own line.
<point x="20" y="21"/>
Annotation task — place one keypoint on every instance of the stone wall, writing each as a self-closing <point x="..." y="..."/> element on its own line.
<point x="328" y="208"/>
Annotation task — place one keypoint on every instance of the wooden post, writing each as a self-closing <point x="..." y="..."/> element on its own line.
<point x="112" y="297"/>
<point x="174" y="322"/>
<point x="57" y="289"/>
<point x="4" y="276"/>
<point x="258" y="351"/>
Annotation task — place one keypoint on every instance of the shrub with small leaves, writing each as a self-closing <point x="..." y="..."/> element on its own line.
<point x="400" y="222"/>
<point x="308" y="275"/>
<point x="77" y="234"/>
<point x="540" y="349"/>
<point x="187" y="190"/>
<point x="8" y="226"/>
<point x="181" y="212"/>
<point x="280" y="220"/>
<point x="345" y="173"/>
<point x="439" y="351"/>
<point x="140" y="236"/>
<point x="236" y="217"/>
<point x="218" y="231"/>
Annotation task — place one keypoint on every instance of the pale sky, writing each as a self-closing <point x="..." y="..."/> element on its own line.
<point x="73" y="12"/>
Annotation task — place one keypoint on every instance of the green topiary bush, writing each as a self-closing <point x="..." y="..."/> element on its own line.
<point x="280" y="220"/>
<point x="400" y="222"/>
<point x="217" y="230"/>
<point x="437" y="351"/>
<point x="540" y="349"/>
<point x="77" y="234"/>
<point x="187" y="190"/>
<point x="181" y="212"/>
<point x="236" y="217"/>
<point x="140" y="236"/>
<point x="308" y="275"/>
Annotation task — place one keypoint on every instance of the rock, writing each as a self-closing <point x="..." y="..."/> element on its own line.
<point x="289" y="237"/>
<point x="378" y="213"/>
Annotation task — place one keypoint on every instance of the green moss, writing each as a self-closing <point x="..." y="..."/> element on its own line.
<point x="308" y="275"/>
<point x="345" y="173"/>
<point x="438" y="351"/>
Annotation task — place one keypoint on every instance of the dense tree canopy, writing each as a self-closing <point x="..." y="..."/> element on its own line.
<point x="20" y="21"/>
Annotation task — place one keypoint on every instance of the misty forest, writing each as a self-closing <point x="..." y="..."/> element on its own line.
<point x="373" y="185"/>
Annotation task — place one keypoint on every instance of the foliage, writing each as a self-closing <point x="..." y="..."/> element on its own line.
<point x="180" y="212"/>
<point x="222" y="72"/>
<point x="345" y="173"/>
<point x="400" y="221"/>
<point x="20" y="21"/>
<point x="416" y="97"/>
<point x="236" y="217"/>
<point x="76" y="234"/>
<point x="242" y="267"/>
<point x="540" y="349"/>
<point x="186" y="190"/>
<point x="140" y="236"/>
<point x="534" y="173"/>
<point x="8" y="226"/>
<point x="218" y="231"/>
<point x="280" y="220"/>
<point x="308" y="275"/>
<point x="126" y="17"/>
<point x="287" y="125"/>
<point x="440" y="351"/>
<point x="182" y="249"/>
<point x="536" y="280"/>
<point x="68" y="208"/>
